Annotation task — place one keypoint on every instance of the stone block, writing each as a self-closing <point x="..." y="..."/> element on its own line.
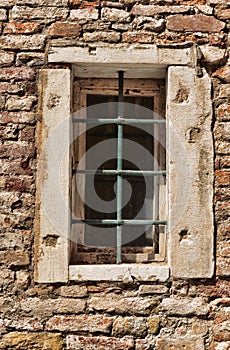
<point x="222" y="264"/>
<point x="23" y="42"/>
<point x="84" y="14"/>
<point x="15" y="103"/>
<point x="181" y="343"/>
<point x="16" y="118"/>
<point x="223" y="74"/>
<point x="74" y="342"/>
<point x="195" y="23"/>
<point x="6" y="58"/>
<point x="81" y="323"/>
<point x="45" y="3"/>
<point x="111" y="37"/>
<point x="152" y="10"/>
<point x="31" y="341"/>
<point x="44" y="14"/>
<point x="184" y="306"/>
<point x="121" y="305"/>
<point x="3" y="14"/>
<point x="152" y="289"/>
<point x="223" y="112"/>
<point x="222" y="176"/>
<point x="213" y="55"/>
<point x="30" y="59"/>
<point x="135" y="326"/>
<point x="115" y="15"/>
<point x="12" y="258"/>
<point x="72" y="291"/>
<point x="137" y="37"/>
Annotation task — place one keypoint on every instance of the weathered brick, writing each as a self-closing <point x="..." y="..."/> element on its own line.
<point x="84" y="14"/>
<point x="148" y="23"/>
<point x="84" y="3"/>
<point x="23" y="42"/>
<point x="184" y="306"/>
<point x="14" y="258"/>
<point x="19" y="184"/>
<point x="2" y="102"/>
<point x="25" y="103"/>
<point x="136" y="326"/>
<point x="213" y="55"/>
<point x="223" y="112"/>
<point x="223" y="250"/>
<point x="145" y="344"/>
<point x="86" y="323"/>
<point x="44" y="14"/>
<point x="223" y="74"/>
<point x="21" y="28"/>
<point x="137" y="37"/>
<point x="152" y="10"/>
<point x="154" y="324"/>
<point x="27" y="134"/>
<point x="152" y="289"/>
<point x="9" y="132"/>
<point x="72" y="291"/>
<point x="3" y="15"/>
<point x="222" y="331"/>
<point x="74" y="342"/>
<point x="24" y="324"/>
<point x="31" y="341"/>
<point x="44" y="3"/>
<point x="223" y="177"/>
<point x="111" y="37"/>
<point x="222" y="147"/>
<point x="22" y="278"/>
<point x="16" y="150"/>
<point x="206" y="9"/>
<point x="223" y="14"/>
<point x="181" y="343"/>
<point x="18" y="87"/>
<point x="121" y="305"/>
<point x="6" y="58"/>
<point x="224" y="91"/>
<point x="195" y="23"/>
<point x="6" y="278"/>
<point x="115" y="15"/>
<point x="223" y="267"/>
<point x="22" y="73"/>
<point x="30" y="59"/>
<point x="17" y="117"/>
<point x="7" y="3"/>
<point x="65" y="29"/>
<point x="220" y="346"/>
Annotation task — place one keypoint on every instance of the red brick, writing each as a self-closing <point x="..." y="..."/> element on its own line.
<point x="222" y="177"/>
<point x="17" y="151"/>
<point x="195" y="23"/>
<point x="85" y="323"/>
<point x="28" y="134"/>
<point x="14" y="258"/>
<point x="16" y="184"/>
<point x="223" y="112"/>
<point x="223" y="74"/>
<point x="218" y="290"/>
<point x="21" y="28"/>
<point x="65" y="29"/>
<point x="223" y="267"/>
<point x="84" y="4"/>
<point x="74" y="342"/>
<point x="17" y="118"/>
<point x="132" y="37"/>
<point x="21" y="73"/>
<point x="18" y="87"/>
<point x="222" y="331"/>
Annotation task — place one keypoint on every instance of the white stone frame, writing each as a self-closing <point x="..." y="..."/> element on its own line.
<point x="189" y="173"/>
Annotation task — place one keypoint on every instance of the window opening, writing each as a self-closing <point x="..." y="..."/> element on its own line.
<point x="117" y="125"/>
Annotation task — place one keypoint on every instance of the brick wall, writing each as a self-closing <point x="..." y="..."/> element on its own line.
<point x="174" y="315"/>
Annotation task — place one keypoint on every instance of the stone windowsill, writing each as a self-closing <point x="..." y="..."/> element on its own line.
<point x="123" y="272"/>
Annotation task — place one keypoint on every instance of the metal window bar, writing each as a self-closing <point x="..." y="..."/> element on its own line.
<point x="119" y="172"/>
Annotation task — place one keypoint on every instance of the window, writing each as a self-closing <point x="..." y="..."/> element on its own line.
<point x="127" y="152"/>
<point x="189" y="252"/>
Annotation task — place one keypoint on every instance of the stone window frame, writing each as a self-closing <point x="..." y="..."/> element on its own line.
<point x="189" y="166"/>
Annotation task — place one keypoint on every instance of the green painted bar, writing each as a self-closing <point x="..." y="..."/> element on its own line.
<point x="121" y="172"/>
<point x="120" y="222"/>
<point x="119" y="121"/>
<point x="119" y="163"/>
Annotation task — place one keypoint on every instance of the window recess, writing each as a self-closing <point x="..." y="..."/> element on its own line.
<point x="132" y="232"/>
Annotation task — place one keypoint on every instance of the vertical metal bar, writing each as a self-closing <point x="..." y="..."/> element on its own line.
<point x="119" y="163"/>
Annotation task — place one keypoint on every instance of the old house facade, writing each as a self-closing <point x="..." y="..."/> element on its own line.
<point x="60" y="289"/>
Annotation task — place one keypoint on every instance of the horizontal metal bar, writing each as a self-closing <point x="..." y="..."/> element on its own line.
<point x="121" y="172"/>
<point x="119" y="222"/>
<point x="119" y="121"/>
